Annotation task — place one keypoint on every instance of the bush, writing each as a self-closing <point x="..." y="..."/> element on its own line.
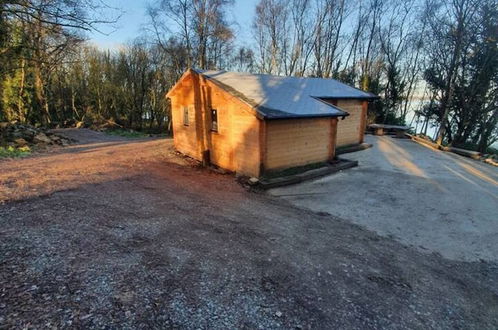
<point x="492" y="151"/>
<point x="126" y="133"/>
<point x="11" y="152"/>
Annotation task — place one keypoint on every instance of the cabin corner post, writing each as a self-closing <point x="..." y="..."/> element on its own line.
<point x="172" y="104"/>
<point x="205" y="123"/>
<point x="262" y="146"/>
<point x="333" y="138"/>
<point x="198" y="115"/>
<point x="363" y="122"/>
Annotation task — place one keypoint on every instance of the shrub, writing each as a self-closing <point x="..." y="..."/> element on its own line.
<point x="11" y="152"/>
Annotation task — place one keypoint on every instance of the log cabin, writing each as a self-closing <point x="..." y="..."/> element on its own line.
<point x="253" y="124"/>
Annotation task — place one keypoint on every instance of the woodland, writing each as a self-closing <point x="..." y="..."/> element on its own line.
<point x="434" y="63"/>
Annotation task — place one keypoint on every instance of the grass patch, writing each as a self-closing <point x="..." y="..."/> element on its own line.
<point x="293" y="170"/>
<point x="11" y="152"/>
<point x="126" y="133"/>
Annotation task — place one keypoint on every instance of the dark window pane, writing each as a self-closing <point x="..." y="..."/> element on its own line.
<point x="214" y="120"/>
<point x="185" y="116"/>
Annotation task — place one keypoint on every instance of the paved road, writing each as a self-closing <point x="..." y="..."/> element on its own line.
<point x="437" y="201"/>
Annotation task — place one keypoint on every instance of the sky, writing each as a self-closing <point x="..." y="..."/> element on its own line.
<point x="134" y="17"/>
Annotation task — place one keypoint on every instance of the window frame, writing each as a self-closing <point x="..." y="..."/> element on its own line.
<point x="214" y="121"/>
<point x="186" y="119"/>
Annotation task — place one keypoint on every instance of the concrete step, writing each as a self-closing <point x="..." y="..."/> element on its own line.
<point x="342" y="164"/>
<point x="353" y="148"/>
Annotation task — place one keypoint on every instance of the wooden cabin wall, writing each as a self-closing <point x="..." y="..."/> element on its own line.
<point x="235" y="146"/>
<point x="248" y="145"/>
<point x="297" y="142"/>
<point x="352" y="128"/>
<point x="185" y="137"/>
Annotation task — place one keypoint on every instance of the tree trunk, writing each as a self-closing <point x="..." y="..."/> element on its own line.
<point x="73" y="105"/>
<point x="486" y="133"/>
<point x="20" y="100"/>
<point x="452" y="69"/>
<point x="41" y="101"/>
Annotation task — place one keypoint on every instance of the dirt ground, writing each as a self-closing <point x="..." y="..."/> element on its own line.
<point x="116" y="233"/>
<point x="433" y="200"/>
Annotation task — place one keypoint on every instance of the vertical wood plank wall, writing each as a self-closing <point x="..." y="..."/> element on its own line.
<point x="364" y="113"/>
<point x="296" y="142"/>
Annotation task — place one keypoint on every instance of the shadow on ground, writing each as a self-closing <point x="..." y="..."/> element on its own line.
<point x="436" y="201"/>
<point x="172" y="245"/>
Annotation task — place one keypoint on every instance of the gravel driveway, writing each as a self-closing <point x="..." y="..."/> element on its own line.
<point x="126" y="234"/>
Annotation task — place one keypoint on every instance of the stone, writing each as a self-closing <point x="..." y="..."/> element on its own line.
<point x="41" y="138"/>
<point x="20" y="142"/>
<point x="253" y="181"/>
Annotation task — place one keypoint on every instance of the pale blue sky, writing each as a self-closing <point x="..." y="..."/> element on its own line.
<point x="134" y="16"/>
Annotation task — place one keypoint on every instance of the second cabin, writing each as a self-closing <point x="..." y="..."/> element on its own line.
<point x="253" y="123"/>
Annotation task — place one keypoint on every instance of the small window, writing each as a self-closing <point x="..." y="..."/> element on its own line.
<point x="214" y="120"/>
<point x="185" y="116"/>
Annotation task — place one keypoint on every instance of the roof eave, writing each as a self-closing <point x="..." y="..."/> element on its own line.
<point x="293" y="116"/>
<point x="365" y="97"/>
<point x="184" y="75"/>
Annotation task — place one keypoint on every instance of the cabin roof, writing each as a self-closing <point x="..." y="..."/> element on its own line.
<point x="278" y="97"/>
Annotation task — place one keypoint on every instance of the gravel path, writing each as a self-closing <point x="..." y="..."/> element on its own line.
<point x="125" y="234"/>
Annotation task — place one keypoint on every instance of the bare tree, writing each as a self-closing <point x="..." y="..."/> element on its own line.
<point x="199" y="26"/>
<point x="400" y="41"/>
<point x="327" y="30"/>
<point x="272" y="38"/>
<point x="449" y="23"/>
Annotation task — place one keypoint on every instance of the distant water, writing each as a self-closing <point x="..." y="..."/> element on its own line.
<point x="431" y="131"/>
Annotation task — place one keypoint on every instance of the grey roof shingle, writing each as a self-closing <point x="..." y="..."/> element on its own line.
<point x="287" y="97"/>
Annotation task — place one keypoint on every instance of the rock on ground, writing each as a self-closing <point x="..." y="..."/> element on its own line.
<point x="20" y="135"/>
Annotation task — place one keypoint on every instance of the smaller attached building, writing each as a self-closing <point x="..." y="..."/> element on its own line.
<point x="251" y="124"/>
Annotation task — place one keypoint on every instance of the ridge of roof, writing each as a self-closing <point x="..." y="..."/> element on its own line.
<point x="366" y="95"/>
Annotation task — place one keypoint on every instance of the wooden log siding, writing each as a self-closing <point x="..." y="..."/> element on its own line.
<point x="236" y="144"/>
<point x="185" y="137"/>
<point x="244" y="143"/>
<point x="296" y="142"/>
<point x="351" y="129"/>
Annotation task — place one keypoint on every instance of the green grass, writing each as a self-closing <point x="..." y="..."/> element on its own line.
<point x="11" y="152"/>
<point x="126" y="133"/>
